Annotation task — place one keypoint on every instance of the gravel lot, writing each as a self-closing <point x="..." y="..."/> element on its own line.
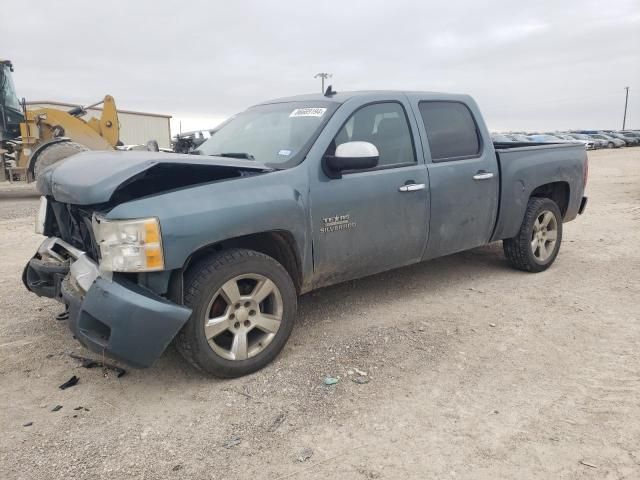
<point x="475" y="371"/>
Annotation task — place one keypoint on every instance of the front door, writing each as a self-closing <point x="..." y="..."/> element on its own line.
<point x="374" y="220"/>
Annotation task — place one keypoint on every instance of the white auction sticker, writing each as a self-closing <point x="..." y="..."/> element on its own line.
<point x="308" y="112"/>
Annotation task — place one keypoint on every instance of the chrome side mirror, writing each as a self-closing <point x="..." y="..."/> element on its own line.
<point x="351" y="156"/>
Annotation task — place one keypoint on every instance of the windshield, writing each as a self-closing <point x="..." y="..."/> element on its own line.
<point x="277" y="134"/>
<point x="8" y="97"/>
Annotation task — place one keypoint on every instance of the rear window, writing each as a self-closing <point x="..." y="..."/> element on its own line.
<point x="451" y="130"/>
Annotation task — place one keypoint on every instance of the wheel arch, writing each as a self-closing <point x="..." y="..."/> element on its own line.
<point x="277" y="244"/>
<point x="559" y="192"/>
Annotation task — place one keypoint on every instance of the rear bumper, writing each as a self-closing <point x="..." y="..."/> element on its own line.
<point x="114" y="317"/>
<point x="583" y="205"/>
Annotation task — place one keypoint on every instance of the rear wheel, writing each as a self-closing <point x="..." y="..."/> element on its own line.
<point x="244" y="305"/>
<point x="54" y="153"/>
<point x="536" y="245"/>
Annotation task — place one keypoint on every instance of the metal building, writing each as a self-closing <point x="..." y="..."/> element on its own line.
<point x="136" y="128"/>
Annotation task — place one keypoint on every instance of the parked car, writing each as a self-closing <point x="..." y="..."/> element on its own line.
<point x="187" y="142"/>
<point x="500" y="138"/>
<point x="632" y="133"/>
<point x="518" y="137"/>
<point x="610" y="141"/>
<point x="629" y="141"/>
<point x="588" y="144"/>
<point x="212" y="250"/>
<point x="597" y="143"/>
<point x="546" y="138"/>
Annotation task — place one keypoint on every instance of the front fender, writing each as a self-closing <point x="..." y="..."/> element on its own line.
<point x="195" y="217"/>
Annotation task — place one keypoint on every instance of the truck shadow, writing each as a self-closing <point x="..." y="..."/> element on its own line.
<point x="458" y="271"/>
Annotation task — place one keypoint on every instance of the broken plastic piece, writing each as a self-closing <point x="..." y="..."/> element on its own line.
<point x="63" y="315"/>
<point x="69" y="383"/>
<point x="91" y="363"/>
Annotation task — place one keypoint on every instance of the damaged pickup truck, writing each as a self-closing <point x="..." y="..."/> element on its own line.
<point x="212" y="250"/>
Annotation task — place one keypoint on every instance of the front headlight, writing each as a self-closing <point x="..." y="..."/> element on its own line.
<point x="129" y="245"/>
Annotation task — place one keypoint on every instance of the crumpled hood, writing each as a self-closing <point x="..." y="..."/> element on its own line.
<point x="93" y="177"/>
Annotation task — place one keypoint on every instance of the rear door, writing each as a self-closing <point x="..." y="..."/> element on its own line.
<point x="371" y="220"/>
<point x="463" y="175"/>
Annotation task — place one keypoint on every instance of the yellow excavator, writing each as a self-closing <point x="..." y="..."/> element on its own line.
<point x="33" y="139"/>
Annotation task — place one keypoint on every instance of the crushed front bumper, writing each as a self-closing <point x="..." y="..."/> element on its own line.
<point x="118" y="318"/>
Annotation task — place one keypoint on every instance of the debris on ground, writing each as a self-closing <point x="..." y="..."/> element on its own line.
<point x="305" y="454"/>
<point x="245" y="391"/>
<point x="368" y="473"/>
<point x="492" y="324"/>
<point x="279" y="420"/>
<point x="232" y="442"/>
<point x="28" y="424"/>
<point x="69" y="383"/>
<point x="331" y="380"/>
<point x="56" y="408"/>
<point x="360" y="380"/>
<point x="91" y="363"/>
<point x="587" y="464"/>
<point x="360" y="372"/>
<point x="177" y="467"/>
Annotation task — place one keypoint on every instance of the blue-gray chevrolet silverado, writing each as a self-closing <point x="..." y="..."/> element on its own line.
<point x="212" y="250"/>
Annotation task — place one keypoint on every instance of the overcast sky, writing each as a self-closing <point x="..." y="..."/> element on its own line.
<point x="542" y="64"/>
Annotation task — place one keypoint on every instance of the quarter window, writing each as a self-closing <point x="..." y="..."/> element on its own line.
<point x="385" y="125"/>
<point x="451" y="130"/>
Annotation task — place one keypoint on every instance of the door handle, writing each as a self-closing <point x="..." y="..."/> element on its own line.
<point x="412" y="187"/>
<point x="483" y="176"/>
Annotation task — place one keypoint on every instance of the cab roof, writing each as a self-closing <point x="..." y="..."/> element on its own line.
<point x="341" y="97"/>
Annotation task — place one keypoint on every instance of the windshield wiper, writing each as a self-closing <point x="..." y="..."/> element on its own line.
<point x="243" y="155"/>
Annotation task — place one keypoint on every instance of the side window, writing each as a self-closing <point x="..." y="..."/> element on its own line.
<point x="385" y="125"/>
<point x="451" y="130"/>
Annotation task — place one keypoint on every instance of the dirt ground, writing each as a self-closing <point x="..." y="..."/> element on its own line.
<point x="475" y="371"/>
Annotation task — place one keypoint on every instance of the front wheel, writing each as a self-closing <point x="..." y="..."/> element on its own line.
<point x="536" y="245"/>
<point x="244" y="305"/>
<point x="610" y="145"/>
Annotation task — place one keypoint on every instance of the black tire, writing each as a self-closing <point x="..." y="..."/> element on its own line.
<point x="54" y="153"/>
<point x="202" y="281"/>
<point x="519" y="250"/>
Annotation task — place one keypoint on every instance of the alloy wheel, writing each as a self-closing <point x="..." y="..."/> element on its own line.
<point x="243" y="316"/>
<point x="544" y="236"/>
